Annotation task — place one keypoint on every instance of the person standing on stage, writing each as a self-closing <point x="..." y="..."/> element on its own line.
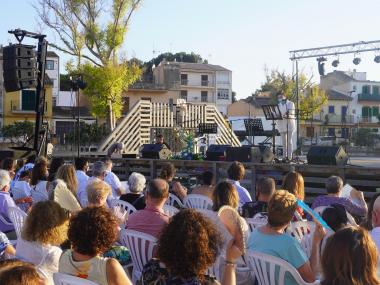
<point x="287" y="125"/>
<point x="160" y="140"/>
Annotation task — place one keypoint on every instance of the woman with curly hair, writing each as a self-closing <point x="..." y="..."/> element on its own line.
<point x="63" y="190"/>
<point x="93" y="231"/>
<point x="350" y="258"/>
<point x="17" y="272"/>
<point x="196" y="244"/>
<point x="44" y="230"/>
<point x="167" y="173"/>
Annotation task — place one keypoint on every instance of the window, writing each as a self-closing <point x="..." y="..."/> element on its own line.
<point x="366" y="112"/>
<point x="204" y="79"/>
<point x="331" y="132"/>
<point x="354" y="87"/>
<point x="223" y="94"/>
<point x="375" y="111"/>
<point x="204" y="96"/>
<point x="366" y="89"/>
<point x="375" y="90"/>
<point x="54" y="101"/>
<point x="345" y="133"/>
<point x="28" y="100"/>
<point x="331" y="110"/>
<point x="184" y="79"/>
<point x="50" y="64"/>
<point x="184" y="94"/>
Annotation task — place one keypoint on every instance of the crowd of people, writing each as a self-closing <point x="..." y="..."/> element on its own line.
<point x="73" y="227"/>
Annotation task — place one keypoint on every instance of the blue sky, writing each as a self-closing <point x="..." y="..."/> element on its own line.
<point x="242" y="35"/>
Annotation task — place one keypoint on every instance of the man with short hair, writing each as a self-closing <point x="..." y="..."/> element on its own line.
<point x="81" y="166"/>
<point x="111" y="179"/>
<point x="375" y="233"/>
<point x="236" y="173"/>
<point x="6" y="200"/>
<point x="265" y="188"/>
<point x="152" y="219"/>
<point x="160" y="140"/>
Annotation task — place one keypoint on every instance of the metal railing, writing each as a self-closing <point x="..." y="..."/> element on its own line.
<point x="369" y="97"/>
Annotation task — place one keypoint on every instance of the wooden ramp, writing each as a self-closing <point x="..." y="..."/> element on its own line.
<point x="134" y="129"/>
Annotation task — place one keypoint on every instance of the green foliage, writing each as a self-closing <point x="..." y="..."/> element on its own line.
<point x="364" y="137"/>
<point x="106" y="84"/>
<point x="89" y="134"/>
<point x="19" y="132"/>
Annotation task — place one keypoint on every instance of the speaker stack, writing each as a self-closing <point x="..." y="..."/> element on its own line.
<point x="155" y="151"/>
<point x="327" y="155"/>
<point x="255" y="154"/>
<point x="217" y="152"/>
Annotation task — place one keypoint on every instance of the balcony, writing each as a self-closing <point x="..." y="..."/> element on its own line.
<point x="205" y="83"/>
<point x="16" y="108"/>
<point x="370" y="119"/>
<point x="339" y="119"/>
<point x="369" y="97"/>
<point x="146" y="86"/>
<point x="184" y="81"/>
<point x="198" y="83"/>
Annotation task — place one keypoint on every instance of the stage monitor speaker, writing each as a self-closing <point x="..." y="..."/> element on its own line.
<point x="155" y="151"/>
<point x="255" y="154"/>
<point x="327" y="155"/>
<point x="216" y="152"/>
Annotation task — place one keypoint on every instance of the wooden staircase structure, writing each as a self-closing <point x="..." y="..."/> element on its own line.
<point x="134" y="129"/>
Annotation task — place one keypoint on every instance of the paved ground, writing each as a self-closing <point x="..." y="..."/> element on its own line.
<point x="365" y="161"/>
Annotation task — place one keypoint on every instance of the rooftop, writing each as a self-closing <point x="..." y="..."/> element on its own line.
<point x="51" y="54"/>
<point x="335" y="95"/>
<point x="197" y="66"/>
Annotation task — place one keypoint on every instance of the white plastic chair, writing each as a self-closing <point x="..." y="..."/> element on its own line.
<point x="300" y="228"/>
<point x="350" y="218"/>
<point x="264" y="267"/>
<point x="173" y="200"/>
<point x="65" y="279"/>
<point x="17" y="216"/>
<point x="170" y="210"/>
<point x="197" y="201"/>
<point x="256" y="221"/>
<point x="141" y="247"/>
<point x="208" y="214"/>
<point x="120" y="203"/>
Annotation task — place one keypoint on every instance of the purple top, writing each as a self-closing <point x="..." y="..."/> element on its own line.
<point x="351" y="207"/>
<point x="6" y="201"/>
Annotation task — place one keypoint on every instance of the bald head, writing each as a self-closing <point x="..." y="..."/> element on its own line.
<point x="376" y="213"/>
<point x="158" y="189"/>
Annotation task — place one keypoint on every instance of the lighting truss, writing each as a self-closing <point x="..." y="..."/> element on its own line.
<point x="354" y="48"/>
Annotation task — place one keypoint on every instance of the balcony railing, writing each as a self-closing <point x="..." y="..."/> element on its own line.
<point x="339" y="119"/>
<point x="146" y="86"/>
<point x="369" y="119"/>
<point x="205" y="82"/>
<point x="369" y="97"/>
<point x="184" y="81"/>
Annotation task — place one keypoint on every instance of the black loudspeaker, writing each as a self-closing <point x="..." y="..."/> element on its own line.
<point x="155" y="151"/>
<point x="250" y="154"/>
<point x="327" y="155"/>
<point x="217" y="152"/>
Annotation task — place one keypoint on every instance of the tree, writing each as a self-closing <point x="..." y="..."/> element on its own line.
<point x="311" y="97"/>
<point x="19" y="132"/>
<point x="93" y="30"/>
<point x="364" y="137"/>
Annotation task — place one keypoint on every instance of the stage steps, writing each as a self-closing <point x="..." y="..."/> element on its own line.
<point x="134" y="129"/>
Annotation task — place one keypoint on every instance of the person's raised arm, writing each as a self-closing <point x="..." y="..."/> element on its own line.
<point x="232" y="254"/>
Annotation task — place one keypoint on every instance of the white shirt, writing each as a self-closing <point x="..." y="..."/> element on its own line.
<point x="290" y="124"/>
<point x="82" y="178"/>
<point x="39" y="192"/>
<point x="44" y="256"/>
<point x="21" y="189"/>
<point x="112" y="180"/>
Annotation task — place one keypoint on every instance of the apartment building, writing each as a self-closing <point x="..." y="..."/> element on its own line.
<point x="52" y="70"/>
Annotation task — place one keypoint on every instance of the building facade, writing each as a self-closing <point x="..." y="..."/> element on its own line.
<point x="52" y="70"/>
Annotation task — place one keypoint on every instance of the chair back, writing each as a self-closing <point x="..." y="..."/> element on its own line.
<point x="299" y="229"/>
<point x="65" y="279"/>
<point x="197" y="201"/>
<point x="17" y="216"/>
<point x="170" y="210"/>
<point x="141" y="247"/>
<point x="173" y="200"/>
<point x="122" y="204"/>
<point x="257" y="221"/>
<point x="271" y="270"/>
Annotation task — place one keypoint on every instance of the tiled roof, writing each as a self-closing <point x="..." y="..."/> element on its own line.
<point x="335" y="95"/>
<point x="201" y="66"/>
<point x="51" y="54"/>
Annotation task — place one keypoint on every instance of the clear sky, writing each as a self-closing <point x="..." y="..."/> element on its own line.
<point x="241" y="35"/>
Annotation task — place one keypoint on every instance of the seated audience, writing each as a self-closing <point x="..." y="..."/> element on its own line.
<point x="375" y="232"/>
<point x="55" y="164"/>
<point x="17" y="272"/>
<point x="236" y="172"/>
<point x="187" y="247"/>
<point x="225" y="194"/>
<point x="6" y="200"/>
<point x="44" y="230"/>
<point x="81" y="166"/>
<point x="136" y="183"/>
<point x="271" y="239"/>
<point x="152" y="219"/>
<point x="93" y="231"/>
<point x="63" y="189"/>
<point x="334" y="186"/>
<point x="293" y="182"/>
<point x="8" y="164"/>
<point x="27" y="166"/>
<point x="367" y="222"/>
<point x="21" y="191"/>
<point x="6" y="248"/>
<point x="265" y="187"/>
<point x="38" y="182"/>
<point x="207" y="187"/>
<point x="97" y="193"/>
<point x="350" y="258"/>
<point x="112" y="179"/>
<point x="175" y="187"/>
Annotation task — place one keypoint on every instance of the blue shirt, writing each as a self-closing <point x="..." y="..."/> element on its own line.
<point x="244" y="195"/>
<point x="283" y="246"/>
